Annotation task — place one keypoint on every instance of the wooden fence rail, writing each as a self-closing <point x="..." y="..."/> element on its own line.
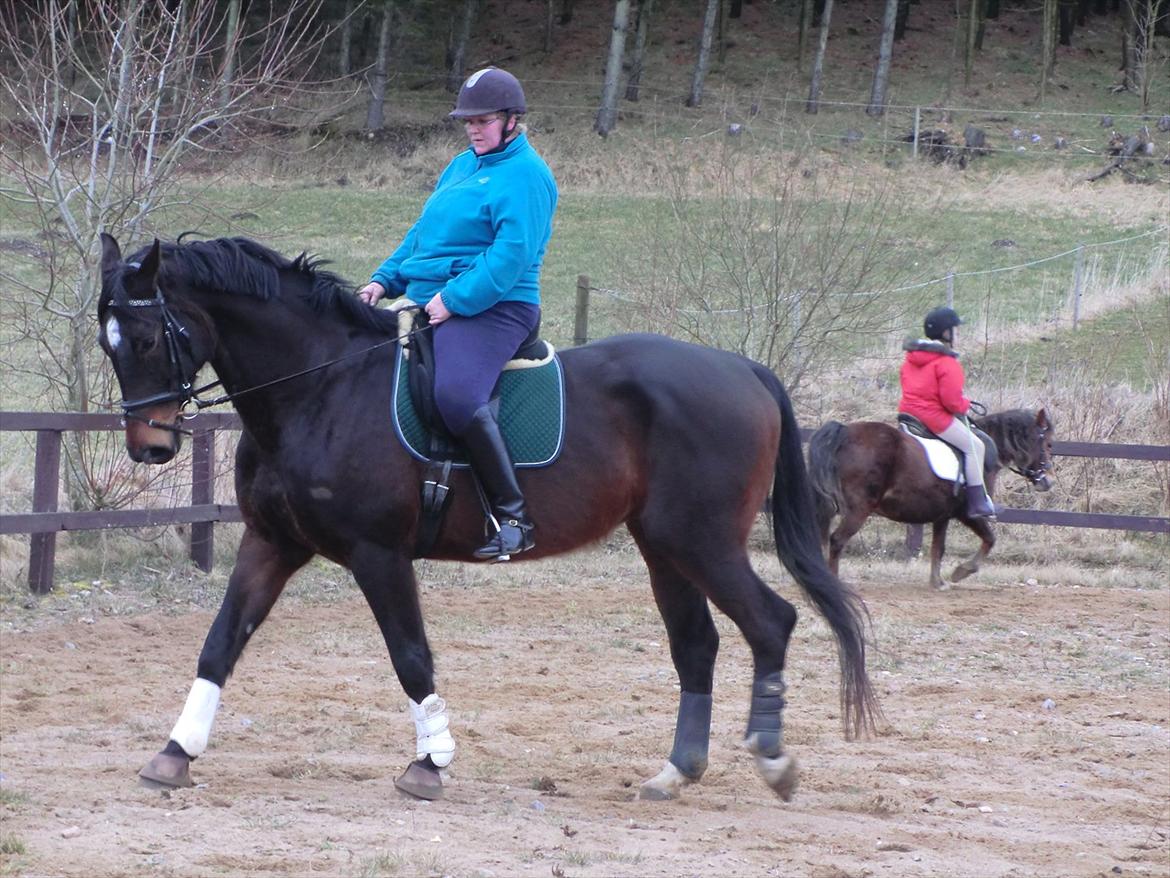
<point x="44" y="522"/>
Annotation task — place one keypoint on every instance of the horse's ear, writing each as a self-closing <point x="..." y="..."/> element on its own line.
<point x="1042" y="419"/>
<point x="111" y="252"/>
<point x="151" y="263"/>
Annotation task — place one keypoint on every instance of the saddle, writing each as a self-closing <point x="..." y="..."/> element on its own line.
<point x="528" y="400"/>
<point x="945" y="460"/>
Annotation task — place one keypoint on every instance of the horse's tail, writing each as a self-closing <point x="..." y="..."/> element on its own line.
<point x="799" y="547"/>
<point x="822" y="470"/>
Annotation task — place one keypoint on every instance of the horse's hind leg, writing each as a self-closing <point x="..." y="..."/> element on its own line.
<point x="938" y="545"/>
<point x="261" y="571"/>
<point x="847" y="528"/>
<point x="694" y="643"/>
<point x="982" y="528"/>
<point x="386" y="578"/>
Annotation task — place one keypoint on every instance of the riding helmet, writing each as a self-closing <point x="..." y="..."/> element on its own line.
<point x="940" y="320"/>
<point x="490" y="90"/>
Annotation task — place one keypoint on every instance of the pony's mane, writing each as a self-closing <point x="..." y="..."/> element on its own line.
<point x="1012" y="432"/>
<point x="241" y="266"/>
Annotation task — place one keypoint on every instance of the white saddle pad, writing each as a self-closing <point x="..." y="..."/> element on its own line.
<point x="944" y="463"/>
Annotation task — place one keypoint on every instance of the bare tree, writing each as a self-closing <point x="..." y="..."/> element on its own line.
<point x="806" y="16"/>
<point x="814" y="86"/>
<point x="607" y="114"/>
<point x="1140" y="20"/>
<point x="785" y="268"/>
<point x="638" y="61"/>
<point x="456" y="73"/>
<point x="1047" y="45"/>
<point x="703" y="57"/>
<point x="375" y="108"/>
<point x="111" y="96"/>
<point x="344" y="62"/>
<point x="881" y="73"/>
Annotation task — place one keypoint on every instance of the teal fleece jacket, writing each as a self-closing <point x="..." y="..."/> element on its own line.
<point x="482" y="234"/>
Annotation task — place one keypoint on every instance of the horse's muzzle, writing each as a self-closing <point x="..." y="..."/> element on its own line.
<point x="151" y="434"/>
<point x="1041" y="484"/>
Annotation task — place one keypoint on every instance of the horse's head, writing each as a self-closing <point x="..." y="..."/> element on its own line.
<point x="1033" y="451"/>
<point x="156" y="345"/>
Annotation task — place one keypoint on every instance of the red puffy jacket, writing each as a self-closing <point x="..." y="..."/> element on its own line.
<point x="932" y="384"/>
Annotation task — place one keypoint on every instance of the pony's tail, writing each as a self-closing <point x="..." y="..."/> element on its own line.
<point x="822" y="470"/>
<point x="799" y="547"/>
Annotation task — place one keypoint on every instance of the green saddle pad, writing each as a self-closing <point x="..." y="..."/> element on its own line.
<point x="532" y="414"/>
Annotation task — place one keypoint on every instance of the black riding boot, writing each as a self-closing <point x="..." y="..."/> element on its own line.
<point x="493" y="465"/>
<point x="978" y="503"/>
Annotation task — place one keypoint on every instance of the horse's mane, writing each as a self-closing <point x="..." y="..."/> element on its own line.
<point x="241" y="266"/>
<point x="1011" y="430"/>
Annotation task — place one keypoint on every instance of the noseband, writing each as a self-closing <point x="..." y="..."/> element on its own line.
<point x="1034" y="472"/>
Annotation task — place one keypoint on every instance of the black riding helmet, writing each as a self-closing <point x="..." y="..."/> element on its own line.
<point x="939" y="321"/>
<point x="490" y="90"/>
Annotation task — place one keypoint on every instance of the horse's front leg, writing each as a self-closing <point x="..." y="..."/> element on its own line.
<point x="982" y="528"/>
<point x="938" y="545"/>
<point x="261" y="571"/>
<point x="386" y="578"/>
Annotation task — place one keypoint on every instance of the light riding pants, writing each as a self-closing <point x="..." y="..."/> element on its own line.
<point x="959" y="435"/>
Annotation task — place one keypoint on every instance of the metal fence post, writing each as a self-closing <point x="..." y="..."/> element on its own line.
<point x="581" y="314"/>
<point x="203" y="492"/>
<point x="42" y="554"/>
<point x="1078" y="282"/>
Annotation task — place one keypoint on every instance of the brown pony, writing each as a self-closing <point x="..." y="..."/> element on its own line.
<point x="869" y="467"/>
<point x="678" y="442"/>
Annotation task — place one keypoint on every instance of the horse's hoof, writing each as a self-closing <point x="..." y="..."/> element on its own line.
<point x="665" y="786"/>
<point x="941" y="585"/>
<point x="780" y="773"/>
<point x="421" y="782"/>
<point x="962" y="572"/>
<point x="166" y="772"/>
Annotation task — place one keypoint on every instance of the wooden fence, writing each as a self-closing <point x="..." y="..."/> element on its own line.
<point x="44" y="522"/>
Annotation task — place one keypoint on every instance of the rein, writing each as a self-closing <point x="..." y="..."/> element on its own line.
<point x="178" y="341"/>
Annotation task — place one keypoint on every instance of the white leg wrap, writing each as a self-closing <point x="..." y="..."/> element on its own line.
<point x="194" y="726"/>
<point x="430" y="724"/>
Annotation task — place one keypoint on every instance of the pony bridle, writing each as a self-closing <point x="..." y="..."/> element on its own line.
<point x="1037" y="471"/>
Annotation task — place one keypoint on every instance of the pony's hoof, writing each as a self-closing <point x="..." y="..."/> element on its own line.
<point x="421" y="782"/>
<point x="962" y="572"/>
<point x="941" y="585"/>
<point x="665" y="786"/>
<point x="167" y="772"/>
<point x="780" y="773"/>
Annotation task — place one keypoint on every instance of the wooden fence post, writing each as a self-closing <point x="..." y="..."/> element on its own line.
<point x="1078" y="283"/>
<point x="581" y="314"/>
<point x="950" y="289"/>
<point x="917" y="120"/>
<point x="202" y="492"/>
<point x="42" y="552"/>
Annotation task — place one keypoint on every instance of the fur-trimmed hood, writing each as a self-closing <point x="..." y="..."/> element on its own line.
<point x="930" y="346"/>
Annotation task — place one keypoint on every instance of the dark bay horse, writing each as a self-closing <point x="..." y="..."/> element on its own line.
<point x="870" y="467"/>
<point x="678" y="442"/>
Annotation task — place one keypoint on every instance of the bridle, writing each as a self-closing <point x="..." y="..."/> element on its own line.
<point x="1035" y="472"/>
<point x="178" y="343"/>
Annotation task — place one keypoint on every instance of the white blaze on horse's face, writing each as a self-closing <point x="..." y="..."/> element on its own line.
<point x="113" y="333"/>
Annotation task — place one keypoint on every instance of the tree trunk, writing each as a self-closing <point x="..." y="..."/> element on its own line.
<point x="645" y="7"/>
<point x="722" y="54"/>
<point x="1067" y="12"/>
<point x="736" y="8"/>
<point x="814" y="87"/>
<point x="607" y="114"/>
<point x="806" y="16"/>
<point x="992" y="9"/>
<point x="881" y="74"/>
<point x="1047" y="46"/>
<point x="973" y="22"/>
<point x="566" y="11"/>
<point x="458" y="68"/>
<point x="704" y="56"/>
<point x="903" y="18"/>
<point x="549" y="17"/>
<point x="344" y="64"/>
<point x="375" y="118"/>
<point x="229" y="54"/>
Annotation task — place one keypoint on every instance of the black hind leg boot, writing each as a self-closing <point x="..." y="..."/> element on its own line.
<point x="493" y="465"/>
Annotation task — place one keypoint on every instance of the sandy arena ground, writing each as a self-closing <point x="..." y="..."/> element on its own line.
<point x="1028" y="735"/>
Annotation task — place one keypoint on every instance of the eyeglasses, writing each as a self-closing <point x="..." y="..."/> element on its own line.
<point x="481" y="121"/>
